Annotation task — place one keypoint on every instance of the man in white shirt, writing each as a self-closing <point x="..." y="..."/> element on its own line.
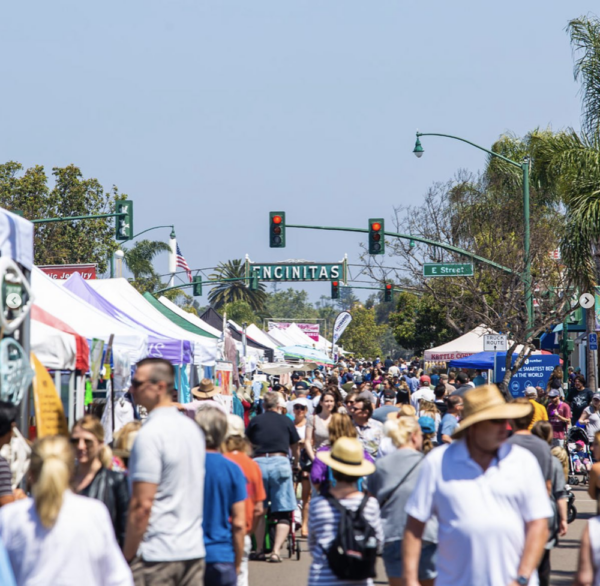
<point x="489" y="497"/>
<point x="164" y="542"/>
<point x="394" y="370"/>
<point x="423" y="392"/>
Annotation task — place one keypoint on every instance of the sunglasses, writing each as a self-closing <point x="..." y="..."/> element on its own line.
<point x="136" y="383"/>
<point x="89" y="444"/>
<point x="302" y="407"/>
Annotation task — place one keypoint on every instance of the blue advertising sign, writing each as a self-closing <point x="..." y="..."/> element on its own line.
<point x="593" y="340"/>
<point x="534" y="373"/>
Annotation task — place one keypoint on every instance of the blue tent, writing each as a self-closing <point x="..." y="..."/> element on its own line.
<point x="481" y="361"/>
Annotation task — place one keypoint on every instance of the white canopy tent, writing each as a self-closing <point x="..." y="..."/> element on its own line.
<point x="86" y="319"/>
<point x="261" y="337"/>
<point x="281" y="337"/>
<point x="16" y="238"/>
<point x="465" y="345"/>
<point x="300" y="337"/>
<point x="192" y="318"/>
<point x="56" y="350"/>
<point x="121" y="294"/>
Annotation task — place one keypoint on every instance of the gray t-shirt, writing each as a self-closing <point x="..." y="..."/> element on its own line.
<point x="391" y="469"/>
<point x="169" y="451"/>
<point x="593" y="422"/>
<point x="539" y="448"/>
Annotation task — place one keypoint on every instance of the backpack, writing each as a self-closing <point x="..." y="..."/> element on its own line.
<point x="352" y="553"/>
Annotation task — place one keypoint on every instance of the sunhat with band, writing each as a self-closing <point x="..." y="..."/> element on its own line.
<point x="348" y="457"/>
<point x="205" y="390"/>
<point x="485" y="403"/>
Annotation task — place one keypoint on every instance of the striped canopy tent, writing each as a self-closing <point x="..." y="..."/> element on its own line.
<point x="307" y="354"/>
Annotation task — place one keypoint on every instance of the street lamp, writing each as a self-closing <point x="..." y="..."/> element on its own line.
<point x="524" y="166"/>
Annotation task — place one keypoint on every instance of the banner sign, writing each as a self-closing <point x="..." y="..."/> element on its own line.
<point x="297" y="271"/>
<point x="311" y="330"/>
<point x="49" y="413"/>
<point x="63" y="272"/>
<point x="534" y="373"/>
<point x="341" y="323"/>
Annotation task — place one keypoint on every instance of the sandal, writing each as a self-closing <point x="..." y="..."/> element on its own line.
<point x="256" y="556"/>
<point x="274" y="559"/>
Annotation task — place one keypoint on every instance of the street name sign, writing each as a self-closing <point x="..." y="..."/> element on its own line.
<point x="448" y="270"/>
<point x="495" y="343"/>
<point x="297" y="271"/>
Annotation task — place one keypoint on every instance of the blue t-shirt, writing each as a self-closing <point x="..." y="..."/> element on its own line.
<point x="447" y="426"/>
<point x="435" y="379"/>
<point x="224" y="485"/>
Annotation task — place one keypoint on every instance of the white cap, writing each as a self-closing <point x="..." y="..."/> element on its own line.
<point x="531" y="392"/>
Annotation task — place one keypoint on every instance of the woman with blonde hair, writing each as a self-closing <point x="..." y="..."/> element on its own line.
<point x="93" y="476"/>
<point x="386" y="446"/>
<point x="58" y="537"/>
<point x="339" y="426"/>
<point x="392" y="484"/>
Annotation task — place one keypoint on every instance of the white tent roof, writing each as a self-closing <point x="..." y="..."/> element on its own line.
<point x="16" y="238"/>
<point x="301" y="338"/>
<point x="281" y="337"/>
<point x="261" y="337"/>
<point x="85" y="319"/>
<point x="191" y="317"/>
<point x="465" y="345"/>
<point x="55" y="349"/>
<point x="122" y="294"/>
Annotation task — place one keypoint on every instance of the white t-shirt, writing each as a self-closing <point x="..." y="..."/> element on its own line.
<point x="422" y="393"/>
<point x="594" y="529"/>
<point x="394" y="370"/>
<point x="481" y="514"/>
<point x="169" y="451"/>
<point x="80" y="548"/>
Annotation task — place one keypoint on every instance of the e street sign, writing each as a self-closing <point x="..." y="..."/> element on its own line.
<point x="448" y="270"/>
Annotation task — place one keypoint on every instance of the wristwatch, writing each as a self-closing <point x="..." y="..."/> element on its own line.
<point x="522" y="580"/>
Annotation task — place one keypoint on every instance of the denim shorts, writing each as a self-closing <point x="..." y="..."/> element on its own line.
<point x="392" y="559"/>
<point x="279" y="484"/>
<point x="220" y="574"/>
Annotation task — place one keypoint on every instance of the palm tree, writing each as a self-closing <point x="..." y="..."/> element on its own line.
<point x="138" y="260"/>
<point x="235" y="290"/>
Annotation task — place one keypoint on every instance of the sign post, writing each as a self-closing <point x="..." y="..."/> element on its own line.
<point x="495" y="343"/>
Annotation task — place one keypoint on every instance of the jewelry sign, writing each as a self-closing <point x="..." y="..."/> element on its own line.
<point x="297" y="271"/>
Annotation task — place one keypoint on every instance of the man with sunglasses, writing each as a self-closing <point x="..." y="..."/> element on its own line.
<point x="489" y="497"/>
<point x="164" y="542"/>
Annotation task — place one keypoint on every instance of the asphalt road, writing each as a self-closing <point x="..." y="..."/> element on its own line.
<point x="563" y="559"/>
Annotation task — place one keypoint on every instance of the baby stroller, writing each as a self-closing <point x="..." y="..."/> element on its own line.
<point x="578" y="447"/>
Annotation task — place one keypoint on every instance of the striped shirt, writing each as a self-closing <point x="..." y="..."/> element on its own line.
<point x="5" y="478"/>
<point x="323" y="522"/>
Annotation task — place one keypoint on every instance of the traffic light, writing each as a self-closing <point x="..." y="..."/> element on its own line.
<point x="253" y="282"/>
<point x="277" y="229"/>
<point x="124" y="223"/>
<point x="387" y="295"/>
<point x="567" y="346"/>
<point x="197" y="287"/>
<point x="335" y="289"/>
<point x="376" y="236"/>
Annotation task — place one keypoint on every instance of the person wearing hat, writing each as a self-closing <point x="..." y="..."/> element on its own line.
<point x="559" y="415"/>
<point x="489" y="497"/>
<point x="300" y="393"/>
<point x="237" y="448"/>
<point x="204" y="394"/>
<point x="315" y="390"/>
<point x="539" y="411"/>
<point x="423" y="392"/>
<point x="591" y="417"/>
<point x="389" y="406"/>
<point x="347" y="463"/>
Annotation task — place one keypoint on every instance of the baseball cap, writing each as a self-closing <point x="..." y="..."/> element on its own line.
<point x="300" y="388"/>
<point x="318" y="384"/>
<point x="532" y="392"/>
<point x="235" y="426"/>
<point x="427" y="424"/>
<point x="389" y="394"/>
<point x="554" y="393"/>
<point x="596" y="396"/>
<point x="425" y="379"/>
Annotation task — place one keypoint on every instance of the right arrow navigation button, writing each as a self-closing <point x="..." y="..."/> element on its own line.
<point x="587" y="300"/>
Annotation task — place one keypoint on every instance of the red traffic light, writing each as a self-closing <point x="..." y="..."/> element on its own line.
<point x="388" y="286"/>
<point x="376" y="226"/>
<point x="335" y="283"/>
<point x="276" y="219"/>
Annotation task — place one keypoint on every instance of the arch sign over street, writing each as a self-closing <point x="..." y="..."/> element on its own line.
<point x="297" y="271"/>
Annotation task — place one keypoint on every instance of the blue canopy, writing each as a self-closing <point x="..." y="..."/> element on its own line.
<point x="481" y="361"/>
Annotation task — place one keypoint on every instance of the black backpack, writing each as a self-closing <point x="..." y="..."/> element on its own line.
<point x="353" y="552"/>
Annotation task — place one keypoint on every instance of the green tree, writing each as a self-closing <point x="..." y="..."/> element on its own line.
<point x="289" y="304"/>
<point x="139" y="260"/>
<point x="240" y="311"/>
<point x="235" y="290"/>
<point x="363" y="334"/>
<point x="347" y="299"/>
<point x="83" y="241"/>
<point x="419" y="322"/>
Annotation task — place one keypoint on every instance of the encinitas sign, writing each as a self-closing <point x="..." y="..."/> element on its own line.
<point x="297" y="271"/>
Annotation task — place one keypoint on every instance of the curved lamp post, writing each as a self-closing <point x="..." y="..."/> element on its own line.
<point x="524" y="166"/>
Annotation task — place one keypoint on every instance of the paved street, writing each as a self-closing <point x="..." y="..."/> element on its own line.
<point x="564" y="558"/>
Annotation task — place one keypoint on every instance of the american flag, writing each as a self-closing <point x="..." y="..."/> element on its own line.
<point x="183" y="264"/>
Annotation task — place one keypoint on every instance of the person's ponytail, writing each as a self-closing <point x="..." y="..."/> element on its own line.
<point x="52" y="468"/>
<point x="105" y="456"/>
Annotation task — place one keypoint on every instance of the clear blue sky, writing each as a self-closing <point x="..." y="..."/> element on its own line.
<point x="211" y="113"/>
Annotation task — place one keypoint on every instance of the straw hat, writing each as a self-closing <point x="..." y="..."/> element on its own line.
<point x="347" y="456"/>
<point x="205" y="390"/>
<point x="485" y="403"/>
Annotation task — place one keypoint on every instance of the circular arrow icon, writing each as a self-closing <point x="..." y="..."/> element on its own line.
<point x="13" y="300"/>
<point x="587" y="300"/>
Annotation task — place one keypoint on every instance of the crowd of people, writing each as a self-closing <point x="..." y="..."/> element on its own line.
<point x="439" y="474"/>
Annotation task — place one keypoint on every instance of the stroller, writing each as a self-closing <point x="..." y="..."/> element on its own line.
<point x="577" y="458"/>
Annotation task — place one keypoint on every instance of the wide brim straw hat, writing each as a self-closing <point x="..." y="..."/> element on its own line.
<point x="484" y="403"/>
<point x="205" y="390"/>
<point x="347" y="456"/>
